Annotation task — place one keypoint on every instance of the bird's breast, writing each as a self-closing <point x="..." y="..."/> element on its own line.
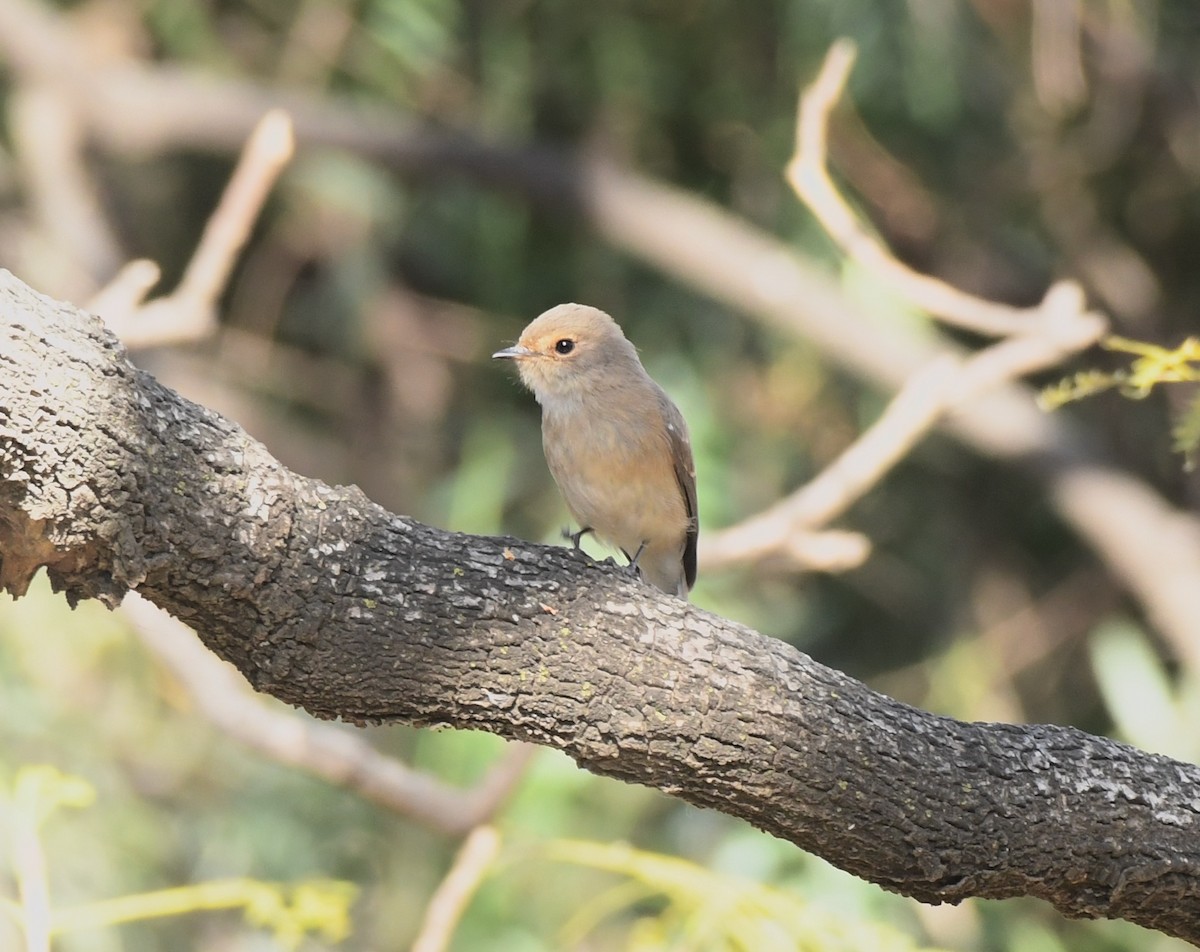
<point x="616" y="474"/>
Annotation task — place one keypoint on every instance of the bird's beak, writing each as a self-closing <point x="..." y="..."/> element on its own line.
<point x="515" y="352"/>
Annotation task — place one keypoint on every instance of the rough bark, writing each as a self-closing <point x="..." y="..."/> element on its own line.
<point x="321" y="598"/>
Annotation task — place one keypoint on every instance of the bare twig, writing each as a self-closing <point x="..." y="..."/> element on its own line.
<point x="1056" y="55"/>
<point x="909" y="416"/>
<point x="921" y="403"/>
<point x="268" y="150"/>
<point x="29" y="868"/>
<point x="448" y="903"/>
<point x="127" y="291"/>
<point x="1063" y="327"/>
<point x="189" y="312"/>
<point x="808" y="174"/>
<point x="49" y="138"/>
<point x="770" y="544"/>
<point x="332" y="753"/>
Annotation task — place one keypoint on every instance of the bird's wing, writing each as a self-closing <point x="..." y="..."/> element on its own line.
<point x="685" y="473"/>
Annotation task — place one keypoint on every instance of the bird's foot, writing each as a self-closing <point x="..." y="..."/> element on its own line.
<point x="576" y="536"/>
<point x="633" y="567"/>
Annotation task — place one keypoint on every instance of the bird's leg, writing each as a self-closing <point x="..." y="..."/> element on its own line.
<point x="633" y="560"/>
<point x="576" y="536"/>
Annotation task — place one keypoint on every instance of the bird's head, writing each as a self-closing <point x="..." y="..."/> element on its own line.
<point x="570" y="351"/>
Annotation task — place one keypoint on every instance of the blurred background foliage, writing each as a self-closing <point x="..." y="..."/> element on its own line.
<point x="998" y="144"/>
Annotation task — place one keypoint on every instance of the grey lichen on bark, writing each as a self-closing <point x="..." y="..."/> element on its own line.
<point x="320" y="597"/>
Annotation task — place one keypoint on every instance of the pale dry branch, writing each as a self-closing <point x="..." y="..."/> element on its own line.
<point x="828" y="550"/>
<point x="448" y="903"/>
<point x="190" y="311"/>
<point x="1056" y="55"/>
<point x="49" y="139"/>
<point x="808" y="174"/>
<point x="944" y="384"/>
<point x="127" y="291"/>
<point x="33" y="883"/>
<point x="1059" y="327"/>
<point x="768" y="535"/>
<point x="267" y="152"/>
<point x="334" y="754"/>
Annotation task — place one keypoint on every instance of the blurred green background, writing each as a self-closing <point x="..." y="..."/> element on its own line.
<point x="998" y="144"/>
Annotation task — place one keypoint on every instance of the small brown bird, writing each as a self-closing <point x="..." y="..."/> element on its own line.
<point x="615" y="443"/>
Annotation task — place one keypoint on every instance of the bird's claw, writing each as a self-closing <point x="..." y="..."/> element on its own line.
<point x="576" y="536"/>
<point x="634" y="569"/>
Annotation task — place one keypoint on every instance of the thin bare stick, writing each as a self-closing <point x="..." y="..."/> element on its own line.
<point x="1036" y="339"/>
<point x="808" y="174"/>
<point x="50" y="142"/>
<point x="267" y="152"/>
<point x="1056" y="55"/>
<point x="189" y="312"/>
<point x="335" y="754"/>
<point x="910" y="415"/>
<point x="928" y="395"/>
<point x="126" y="292"/>
<point x="29" y="869"/>
<point x="448" y="903"/>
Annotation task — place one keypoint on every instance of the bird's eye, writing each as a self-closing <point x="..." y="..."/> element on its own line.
<point x="564" y="346"/>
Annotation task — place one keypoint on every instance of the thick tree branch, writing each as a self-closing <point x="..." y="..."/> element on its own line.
<point x="325" y="600"/>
